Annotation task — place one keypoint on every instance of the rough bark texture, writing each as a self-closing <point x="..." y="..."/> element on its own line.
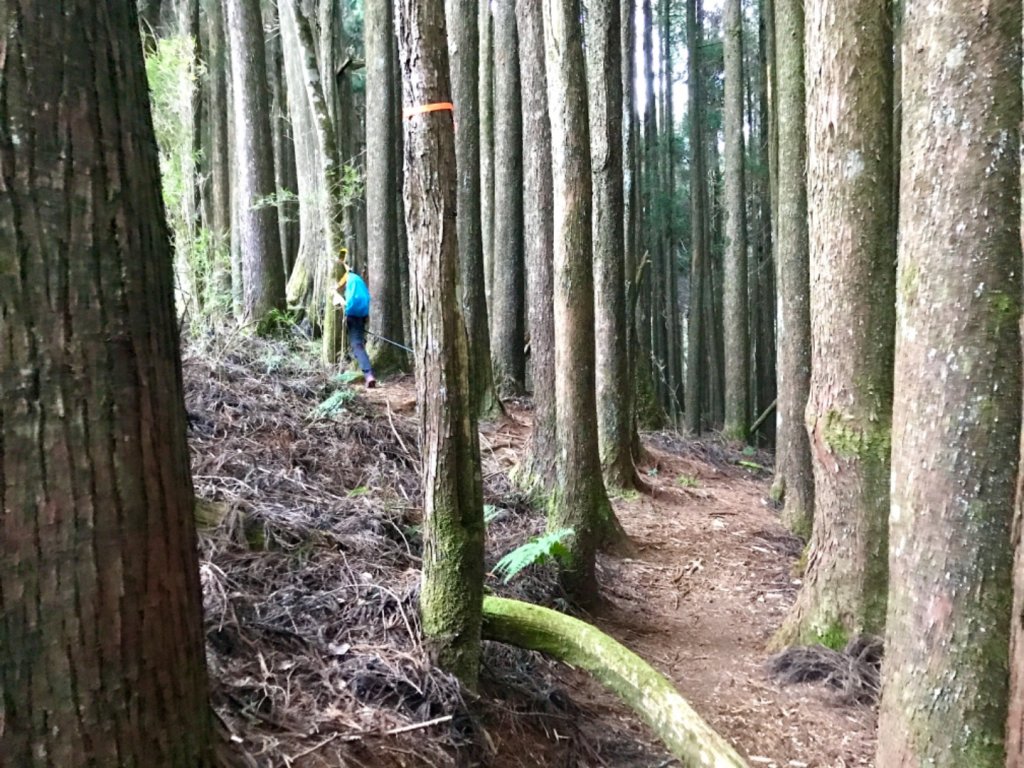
<point x="794" y="479"/>
<point x="256" y="229"/>
<point x="385" y="281"/>
<point x="100" y="604"/>
<point x="453" y="548"/>
<point x="508" y="323"/>
<point x="696" y="376"/>
<point x="604" y="74"/>
<point x="538" y="205"/>
<point x="956" y="424"/>
<point x="737" y="337"/>
<point x="581" y="502"/>
<point x="464" y="47"/>
<point x="487" y="148"/>
<point x="849" y="105"/>
<point x="637" y="683"/>
<point x="1015" y="720"/>
<point x="284" y="150"/>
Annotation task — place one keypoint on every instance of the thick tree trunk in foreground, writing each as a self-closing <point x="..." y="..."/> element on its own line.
<point x="794" y="476"/>
<point x="956" y="424"/>
<point x="737" y="337"/>
<point x="696" y="355"/>
<point x="581" y="502"/>
<point x="613" y="384"/>
<point x="381" y="188"/>
<point x="538" y="205"/>
<point x="99" y="579"/>
<point x="849" y="104"/>
<point x="256" y="229"/>
<point x="464" y="47"/>
<point x="508" y="324"/>
<point x="453" y="552"/>
<point x="632" y="679"/>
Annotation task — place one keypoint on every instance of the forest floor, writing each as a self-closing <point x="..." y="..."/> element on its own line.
<point x="309" y="518"/>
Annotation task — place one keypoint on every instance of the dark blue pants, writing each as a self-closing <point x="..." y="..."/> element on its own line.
<point x="357" y="340"/>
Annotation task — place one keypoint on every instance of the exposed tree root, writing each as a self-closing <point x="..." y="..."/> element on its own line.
<point x="631" y="678"/>
<point x="854" y="671"/>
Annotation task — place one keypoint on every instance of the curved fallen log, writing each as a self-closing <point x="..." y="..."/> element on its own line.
<point x="637" y="683"/>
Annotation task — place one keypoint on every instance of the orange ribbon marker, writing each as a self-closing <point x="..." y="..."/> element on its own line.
<point x="435" y="107"/>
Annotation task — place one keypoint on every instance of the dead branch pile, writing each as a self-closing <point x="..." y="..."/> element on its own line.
<point x="309" y="519"/>
<point x="854" y="672"/>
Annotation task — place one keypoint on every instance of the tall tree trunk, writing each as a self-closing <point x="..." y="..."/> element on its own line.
<point x="487" y="148"/>
<point x="284" y="151"/>
<point x="956" y="424"/>
<point x="631" y="213"/>
<point x="581" y="502"/>
<point x="696" y="353"/>
<point x="794" y="476"/>
<point x="849" y="127"/>
<point x="304" y="288"/>
<point x="673" y="329"/>
<point x="256" y="225"/>
<point x="218" y="154"/>
<point x="508" y="330"/>
<point x="762" y="323"/>
<point x="381" y="188"/>
<point x="453" y="552"/>
<point x="538" y="204"/>
<point x="653" y="215"/>
<point x="464" y="50"/>
<point x="604" y="74"/>
<point x="100" y="604"/>
<point x="737" y="341"/>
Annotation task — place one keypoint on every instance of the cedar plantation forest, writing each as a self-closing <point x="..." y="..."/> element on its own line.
<point x="511" y="383"/>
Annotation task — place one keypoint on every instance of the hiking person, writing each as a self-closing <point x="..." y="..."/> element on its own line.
<point x="353" y="295"/>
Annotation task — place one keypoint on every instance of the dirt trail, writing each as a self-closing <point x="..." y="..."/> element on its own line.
<point x="708" y="581"/>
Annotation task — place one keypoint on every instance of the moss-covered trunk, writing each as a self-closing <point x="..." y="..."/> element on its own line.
<point x="794" y="476"/>
<point x="453" y="549"/>
<point x="849" y="139"/>
<point x="957" y="413"/>
<point x="631" y="678"/>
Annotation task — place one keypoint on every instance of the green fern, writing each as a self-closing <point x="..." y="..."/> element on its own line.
<point x="538" y="550"/>
<point x="333" y="405"/>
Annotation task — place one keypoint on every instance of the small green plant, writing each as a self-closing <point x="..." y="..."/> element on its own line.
<point x="687" y="481"/>
<point x="361" y="490"/>
<point x="347" y="377"/>
<point x="749" y="450"/>
<point x="490" y="512"/>
<point x="752" y="465"/>
<point x="538" y="550"/>
<point x="276" y="323"/>
<point x="333" y="405"/>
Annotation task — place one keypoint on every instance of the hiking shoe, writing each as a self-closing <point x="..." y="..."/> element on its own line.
<point x="371" y="382"/>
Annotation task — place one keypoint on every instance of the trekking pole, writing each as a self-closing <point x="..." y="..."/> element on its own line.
<point x="389" y="341"/>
